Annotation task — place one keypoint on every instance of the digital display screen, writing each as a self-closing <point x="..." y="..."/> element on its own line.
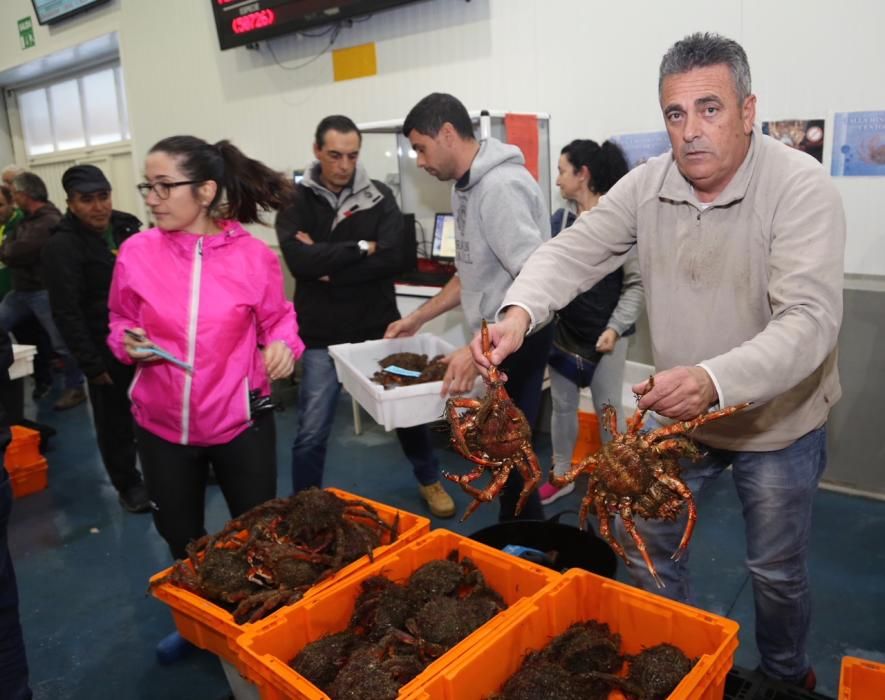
<point x="443" y="238"/>
<point x="241" y="22"/>
<point x="51" y="11"/>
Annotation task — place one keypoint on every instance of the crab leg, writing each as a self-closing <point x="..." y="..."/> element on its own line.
<point x="605" y="528"/>
<point x="634" y="423"/>
<point x="487" y="352"/>
<point x="685" y="492"/>
<point x="610" y="420"/>
<point x="685" y="426"/>
<point x="630" y="526"/>
<point x="679" y="446"/>
<point x="587" y="465"/>
<point x="531" y="475"/>
<point x="479" y="496"/>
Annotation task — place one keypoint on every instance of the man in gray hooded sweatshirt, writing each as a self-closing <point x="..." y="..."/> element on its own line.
<point x="500" y="219"/>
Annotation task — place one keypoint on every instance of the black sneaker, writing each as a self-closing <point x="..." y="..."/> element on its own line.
<point x="135" y="499"/>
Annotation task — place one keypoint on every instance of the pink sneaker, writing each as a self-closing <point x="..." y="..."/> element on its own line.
<point x="549" y="493"/>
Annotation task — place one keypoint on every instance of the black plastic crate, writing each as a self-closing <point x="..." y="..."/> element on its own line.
<point x="741" y="684"/>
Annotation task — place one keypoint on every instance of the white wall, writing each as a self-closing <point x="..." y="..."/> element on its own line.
<point x="591" y="65"/>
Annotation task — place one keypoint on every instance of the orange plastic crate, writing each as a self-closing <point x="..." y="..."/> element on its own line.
<point x="642" y="619"/>
<point x="24" y="450"/>
<point x="588" y="441"/>
<point x="268" y="648"/>
<point x="861" y="680"/>
<point x="29" y="479"/>
<point x="211" y="627"/>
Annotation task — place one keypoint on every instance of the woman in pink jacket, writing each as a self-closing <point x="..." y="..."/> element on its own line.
<point x="200" y="289"/>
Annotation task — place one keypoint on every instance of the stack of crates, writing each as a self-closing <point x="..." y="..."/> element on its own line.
<point x="28" y="470"/>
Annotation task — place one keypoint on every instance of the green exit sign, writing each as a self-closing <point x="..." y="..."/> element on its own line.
<point x="26" y="33"/>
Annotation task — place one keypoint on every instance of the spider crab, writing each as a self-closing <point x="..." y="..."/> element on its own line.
<point x="638" y="474"/>
<point x="494" y="434"/>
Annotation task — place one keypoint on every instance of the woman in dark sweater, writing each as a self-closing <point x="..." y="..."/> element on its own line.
<point x="590" y="340"/>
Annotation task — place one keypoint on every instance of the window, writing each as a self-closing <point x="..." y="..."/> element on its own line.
<point x="75" y="112"/>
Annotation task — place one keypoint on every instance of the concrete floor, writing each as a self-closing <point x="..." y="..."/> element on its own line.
<point x="83" y="564"/>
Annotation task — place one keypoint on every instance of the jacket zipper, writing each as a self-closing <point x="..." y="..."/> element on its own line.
<point x="135" y="379"/>
<point x="196" y="274"/>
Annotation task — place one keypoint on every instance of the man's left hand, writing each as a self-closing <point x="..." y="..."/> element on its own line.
<point x="461" y="373"/>
<point x="681" y="393"/>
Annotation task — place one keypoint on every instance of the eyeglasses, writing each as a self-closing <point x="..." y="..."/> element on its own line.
<point x="162" y="189"/>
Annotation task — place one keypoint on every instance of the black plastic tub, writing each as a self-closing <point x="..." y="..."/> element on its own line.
<point x="557" y="545"/>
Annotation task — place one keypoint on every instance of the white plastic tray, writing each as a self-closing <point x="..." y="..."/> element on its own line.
<point x="23" y="363"/>
<point x="403" y="406"/>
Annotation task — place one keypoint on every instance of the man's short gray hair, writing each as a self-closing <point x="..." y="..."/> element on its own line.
<point x="700" y="50"/>
<point x="31" y="185"/>
<point x="12" y="169"/>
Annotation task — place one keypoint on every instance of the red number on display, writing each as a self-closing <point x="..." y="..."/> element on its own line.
<point x="253" y="21"/>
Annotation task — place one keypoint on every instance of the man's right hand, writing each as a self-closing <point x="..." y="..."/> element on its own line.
<point x="403" y="328"/>
<point x="103" y="379"/>
<point x="505" y="338"/>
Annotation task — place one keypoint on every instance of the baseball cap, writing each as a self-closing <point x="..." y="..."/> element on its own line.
<point x="84" y="179"/>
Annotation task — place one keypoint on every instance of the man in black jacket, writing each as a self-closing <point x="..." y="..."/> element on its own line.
<point x="343" y="242"/>
<point x="20" y="252"/>
<point x="78" y="261"/>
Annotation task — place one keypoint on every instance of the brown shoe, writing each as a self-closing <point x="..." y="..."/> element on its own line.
<point x="439" y="502"/>
<point x="70" y="398"/>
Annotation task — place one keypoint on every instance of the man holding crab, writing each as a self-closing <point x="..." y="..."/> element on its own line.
<point x="741" y="243"/>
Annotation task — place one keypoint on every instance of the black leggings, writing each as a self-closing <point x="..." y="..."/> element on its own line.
<point x="176" y="475"/>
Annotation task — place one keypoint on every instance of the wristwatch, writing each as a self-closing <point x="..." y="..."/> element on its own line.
<point x="364" y="247"/>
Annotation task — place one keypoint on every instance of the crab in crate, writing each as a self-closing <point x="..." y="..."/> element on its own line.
<point x="494" y="434"/>
<point x="271" y="555"/>
<point x="638" y="474"/>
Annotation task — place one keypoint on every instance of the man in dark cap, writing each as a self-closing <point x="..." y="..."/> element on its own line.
<point x="78" y="263"/>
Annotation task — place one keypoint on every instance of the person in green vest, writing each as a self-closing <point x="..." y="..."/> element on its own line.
<point x="10" y="215"/>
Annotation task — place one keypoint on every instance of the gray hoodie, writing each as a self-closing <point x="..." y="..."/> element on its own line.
<point x="500" y="219"/>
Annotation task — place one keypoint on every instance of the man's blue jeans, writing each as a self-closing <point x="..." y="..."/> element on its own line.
<point x="317" y="400"/>
<point x="777" y="491"/>
<point x="17" y="306"/>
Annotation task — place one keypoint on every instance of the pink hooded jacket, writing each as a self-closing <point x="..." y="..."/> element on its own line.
<point x="209" y="301"/>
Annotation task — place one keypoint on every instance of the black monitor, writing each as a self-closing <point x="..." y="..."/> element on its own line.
<point x="443" y="249"/>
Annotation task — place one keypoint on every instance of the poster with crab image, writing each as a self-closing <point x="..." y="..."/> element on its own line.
<point x="802" y="134"/>
<point x="859" y="144"/>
